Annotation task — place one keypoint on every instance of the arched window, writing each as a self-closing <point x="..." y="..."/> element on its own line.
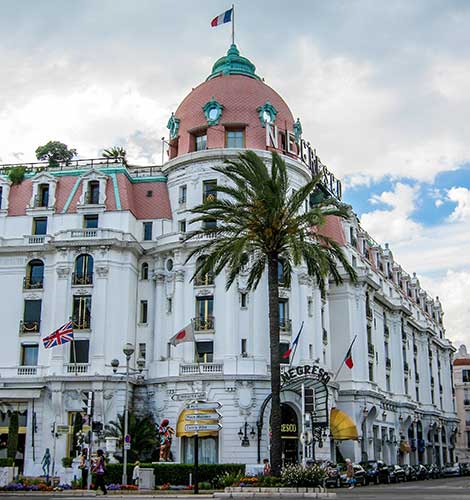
<point x="34" y="275"/>
<point x="144" y="273"/>
<point x="83" y="273"/>
<point x="203" y="279"/>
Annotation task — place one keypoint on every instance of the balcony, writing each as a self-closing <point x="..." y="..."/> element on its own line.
<point x="27" y="371"/>
<point x="386" y="331"/>
<point x="285" y="325"/>
<point x="84" y="233"/>
<point x="77" y="368"/>
<point x="81" y="324"/>
<point x="205" y="280"/>
<point x="204" y="324"/>
<point x="193" y="368"/>
<point x="35" y="239"/>
<point x="370" y="349"/>
<point x="406" y="367"/>
<point x="325" y="337"/>
<point x="388" y="363"/>
<point x="29" y="326"/>
<point x="82" y="279"/>
<point x="33" y="283"/>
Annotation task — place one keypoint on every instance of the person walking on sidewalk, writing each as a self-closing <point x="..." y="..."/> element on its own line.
<point x="136" y="473"/>
<point x="99" y="469"/>
<point x="83" y="466"/>
<point x="350" y="474"/>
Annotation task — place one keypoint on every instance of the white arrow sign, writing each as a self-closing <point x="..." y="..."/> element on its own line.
<point x="202" y="427"/>
<point x="181" y="396"/>
<point x="202" y="416"/>
<point x="206" y="405"/>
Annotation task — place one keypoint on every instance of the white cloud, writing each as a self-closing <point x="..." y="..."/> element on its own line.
<point x="461" y="196"/>
<point x="393" y="225"/>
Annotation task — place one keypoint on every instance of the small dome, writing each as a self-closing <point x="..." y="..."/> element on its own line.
<point x="232" y="98"/>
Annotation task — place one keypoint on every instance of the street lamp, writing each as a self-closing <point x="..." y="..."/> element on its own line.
<point x="128" y="350"/>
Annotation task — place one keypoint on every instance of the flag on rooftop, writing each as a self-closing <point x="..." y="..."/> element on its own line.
<point x="225" y="17"/>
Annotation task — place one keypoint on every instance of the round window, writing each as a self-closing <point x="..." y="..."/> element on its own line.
<point x="213" y="114"/>
<point x="169" y="265"/>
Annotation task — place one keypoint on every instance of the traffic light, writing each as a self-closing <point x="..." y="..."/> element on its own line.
<point x="309" y="399"/>
<point x="88" y="401"/>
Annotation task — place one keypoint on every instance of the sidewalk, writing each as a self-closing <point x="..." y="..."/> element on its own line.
<point x="115" y="494"/>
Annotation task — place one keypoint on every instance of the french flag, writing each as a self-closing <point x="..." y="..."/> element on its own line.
<point x="287" y="354"/>
<point x="226" y="17"/>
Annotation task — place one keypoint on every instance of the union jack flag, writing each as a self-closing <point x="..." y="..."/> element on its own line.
<point x="61" y="336"/>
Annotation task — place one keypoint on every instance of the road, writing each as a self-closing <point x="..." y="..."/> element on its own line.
<point x="455" y="488"/>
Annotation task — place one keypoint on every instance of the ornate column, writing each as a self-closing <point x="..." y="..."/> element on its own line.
<point x="160" y="334"/>
<point x="99" y="311"/>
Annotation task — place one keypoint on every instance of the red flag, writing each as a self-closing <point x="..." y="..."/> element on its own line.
<point x="349" y="360"/>
<point x="186" y="334"/>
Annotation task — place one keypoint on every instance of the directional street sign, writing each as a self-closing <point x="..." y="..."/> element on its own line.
<point x="182" y="396"/>
<point x="206" y="405"/>
<point x="202" y="416"/>
<point x="202" y="427"/>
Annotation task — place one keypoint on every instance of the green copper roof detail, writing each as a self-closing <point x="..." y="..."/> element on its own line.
<point x="233" y="64"/>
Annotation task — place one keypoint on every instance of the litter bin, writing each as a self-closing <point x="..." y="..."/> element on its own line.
<point x="146" y="478"/>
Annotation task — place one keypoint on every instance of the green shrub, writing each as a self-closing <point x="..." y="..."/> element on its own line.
<point x="297" y="475"/>
<point x="205" y="486"/>
<point x="227" y="479"/>
<point x="269" y="481"/>
<point x="67" y="461"/>
<point x="16" y="174"/>
<point x="7" y="462"/>
<point x="12" y="445"/>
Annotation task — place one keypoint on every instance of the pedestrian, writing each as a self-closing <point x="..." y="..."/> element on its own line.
<point x="266" y="468"/>
<point x="350" y="474"/>
<point x="136" y="473"/>
<point x="83" y="466"/>
<point x="99" y="468"/>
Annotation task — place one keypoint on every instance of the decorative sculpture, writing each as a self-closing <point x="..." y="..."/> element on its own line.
<point x="165" y="432"/>
<point x="46" y="462"/>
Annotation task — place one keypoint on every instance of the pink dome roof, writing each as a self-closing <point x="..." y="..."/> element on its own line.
<point x="240" y="95"/>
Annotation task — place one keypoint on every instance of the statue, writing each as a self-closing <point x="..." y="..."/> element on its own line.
<point x="165" y="432"/>
<point x="46" y="462"/>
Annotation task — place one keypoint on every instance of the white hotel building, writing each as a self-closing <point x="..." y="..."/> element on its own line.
<point x="102" y="243"/>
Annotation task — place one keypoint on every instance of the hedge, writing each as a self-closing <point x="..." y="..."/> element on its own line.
<point x="7" y="462"/>
<point x="175" y="474"/>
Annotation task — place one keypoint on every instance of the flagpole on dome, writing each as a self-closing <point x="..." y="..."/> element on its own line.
<point x="233" y="24"/>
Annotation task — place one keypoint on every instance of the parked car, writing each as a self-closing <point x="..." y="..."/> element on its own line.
<point x="434" y="471"/>
<point x="359" y="475"/>
<point x="333" y="476"/>
<point x="376" y="471"/>
<point x="397" y="473"/>
<point x="451" y="470"/>
<point x="465" y="468"/>
<point x="410" y="472"/>
<point x="421" y="471"/>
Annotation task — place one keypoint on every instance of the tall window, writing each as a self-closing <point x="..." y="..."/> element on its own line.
<point x="284" y="322"/>
<point x="42" y="199"/>
<point x="182" y="194"/>
<point x="83" y="273"/>
<point x="235" y="138"/>
<point x="81" y="314"/>
<point x="34" y="274"/>
<point x="31" y="316"/>
<point x="143" y="312"/>
<point x="144" y="272"/>
<point x="147" y="231"/>
<point x="203" y="279"/>
<point x="200" y="142"/>
<point x="204" y="313"/>
<point x="182" y="226"/>
<point x="93" y="194"/>
<point x="204" y="352"/>
<point x="281" y="273"/>
<point x="39" y="226"/>
<point x="387" y="382"/>
<point x="90" y="221"/>
<point x="29" y="354"/>
<point x="465" y="375"/>
<point x="371" y="372"/>
<point x="209" y="192"/>
<point x="79" y="352"/>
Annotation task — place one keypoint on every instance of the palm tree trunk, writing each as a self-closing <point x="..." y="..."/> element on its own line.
<point x="275" y="419"/>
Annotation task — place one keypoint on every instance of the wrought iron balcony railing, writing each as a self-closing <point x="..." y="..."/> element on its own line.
<point x="33" y="283"/>
<point x="82" y="279"/>
<point x="29" y="326"/>
<point x="203" y="323"/>
<point x="204" y="280"/>
<point x="285" y="325"/>
<point x="81" y="324"/>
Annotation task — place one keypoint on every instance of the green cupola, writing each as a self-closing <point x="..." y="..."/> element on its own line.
<point x="233" y="64"/>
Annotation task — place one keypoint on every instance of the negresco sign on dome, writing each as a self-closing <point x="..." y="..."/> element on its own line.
<point x="305" y="153"/>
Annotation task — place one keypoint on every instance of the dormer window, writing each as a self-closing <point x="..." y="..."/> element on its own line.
<point x="42" y="198"/>
<point x="93" y="194"/>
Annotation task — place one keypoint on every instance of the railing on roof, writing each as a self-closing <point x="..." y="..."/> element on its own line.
<point x="81" y="164"/>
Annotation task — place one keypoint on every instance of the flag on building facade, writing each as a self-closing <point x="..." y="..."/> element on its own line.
<point x="293" y="345"/>
<point x="348" y="361"/>
<point x="186" y="334"/>
<point x="225" y="17"/>
<point x="61" y="336"/>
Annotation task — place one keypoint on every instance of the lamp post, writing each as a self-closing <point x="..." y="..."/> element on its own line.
<point x="128" y="351"/>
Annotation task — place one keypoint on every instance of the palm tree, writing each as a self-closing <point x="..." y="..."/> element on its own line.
<point x="116" y="153"/>
<point x="143" y="431"/>
<point x="259" y="224"/>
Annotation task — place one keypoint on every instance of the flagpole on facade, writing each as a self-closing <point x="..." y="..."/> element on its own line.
<point x="233" y="24"/>
<point x="345" y="357"/>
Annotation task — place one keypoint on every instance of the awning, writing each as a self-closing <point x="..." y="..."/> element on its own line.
<point x="342" y="426"/>
<point x="180" y="430"/>
<point x="16" y="393"/>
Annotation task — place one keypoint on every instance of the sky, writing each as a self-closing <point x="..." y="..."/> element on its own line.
<point x="381" y="88"/>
